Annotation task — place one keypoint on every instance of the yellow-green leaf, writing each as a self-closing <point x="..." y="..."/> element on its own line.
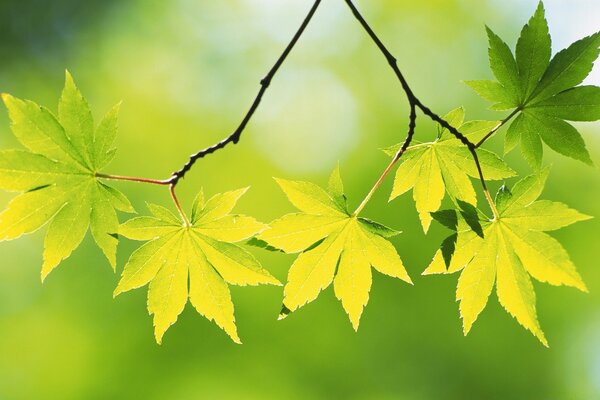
<point x="203" y="252"/>
<point x="334" y="247"/>
<point x="513" y="247"/>
<point x="445" y="165"/>
<point x="57" y="174"/>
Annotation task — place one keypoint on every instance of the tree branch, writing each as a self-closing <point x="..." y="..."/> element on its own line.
<point x="416" y="103"/>
<point x="412" y="99"/>
<point x="264" y="85"/>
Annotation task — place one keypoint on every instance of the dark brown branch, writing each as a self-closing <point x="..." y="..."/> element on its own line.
<point x="415" y="102"/>
<point x="412" y="99"/>
<point x="264" y="85"/>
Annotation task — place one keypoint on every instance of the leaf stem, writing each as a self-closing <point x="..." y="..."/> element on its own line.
<point x="486" y="191"/>
<point x="133" y="179"/>
<point x="184" y="217"/>
<point x="405" y="146"/>
<point x="497" y="127"/>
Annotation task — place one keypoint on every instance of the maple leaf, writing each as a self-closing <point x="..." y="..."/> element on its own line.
<point x="506" y="251"/>
<point x="203" y="254"/>
<point x="57" y="176"/>
<point x="445" y="165"/>
<point x="545" y="91"/>
<point x="334" y="246"/>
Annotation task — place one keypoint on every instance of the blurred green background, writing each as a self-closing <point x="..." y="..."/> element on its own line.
<point x="186" y="71"/>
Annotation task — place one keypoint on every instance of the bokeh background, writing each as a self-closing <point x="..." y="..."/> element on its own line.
<point x="186" y="71"/>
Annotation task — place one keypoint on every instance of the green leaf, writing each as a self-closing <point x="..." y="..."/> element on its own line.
<point x="493" y="91"/>
<point x="104" y="138"/>
<point x="445" y="165"/>
<point x="533" y="51"/>
<point x="476" y="282"/>
<point x="543" y="90"/>
<point x="531" y="143"/>
<point x="561" y="137"/>
<point x="379" y="229"/>
<point x="513" y="135"/>
<point x="504" y="66"/>
<point x="334" y="248"/>
<point x="581" y="103"/>
<point x="40" y="132"/>
<point x="533" y="126"/>
<point x="203" y="252"/>
<point x="568" y="68"/>
<point x="310" y="198"/>
<point x="294" y="233"/>
<point x="456" y="119"/>
<point x="76" y="118"/>
<point x="218" y="206"/>
<point x="57" y="175"/>
<point x="513" y="248"/>
<point x="336" y="189"/>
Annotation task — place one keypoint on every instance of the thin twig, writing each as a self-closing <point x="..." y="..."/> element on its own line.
<point x="415" y="102"/>
<point x="497" y="127"/>
<point x="133" y="179"/>
<point x="393" y="62"/>
<point x="264" y="85"/>
<point x="411" y="132"/>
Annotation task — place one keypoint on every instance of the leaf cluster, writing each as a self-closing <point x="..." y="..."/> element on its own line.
<point x="59" y="180"/>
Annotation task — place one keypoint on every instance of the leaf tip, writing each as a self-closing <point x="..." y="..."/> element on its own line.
<point x="583" y="287"/>
<point x="46" y="269"/>
<point x="69" y="78"/>
<point x="542" y="338"/>
<point x="466" y="327"/>
<point x="118" y="290"/>
<point x="274" y="281"/>
<point x="283" y="314"/>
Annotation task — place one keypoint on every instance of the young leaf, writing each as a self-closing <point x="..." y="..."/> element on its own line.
<point x="334" y="246"/>
<point x="544" y="91"/>
<point x="203" y="253"/>
<point x="445" y="165"/>
<point x="57" y="177"/>
<point x="513" y="248"/>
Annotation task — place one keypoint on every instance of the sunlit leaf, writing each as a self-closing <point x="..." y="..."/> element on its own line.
<point x="203" y="253"/>
<point x="57" y="175"/>
<point x="446" y="165"/>
<point x="513" y="248"/>
<point x="335" y="247"/>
